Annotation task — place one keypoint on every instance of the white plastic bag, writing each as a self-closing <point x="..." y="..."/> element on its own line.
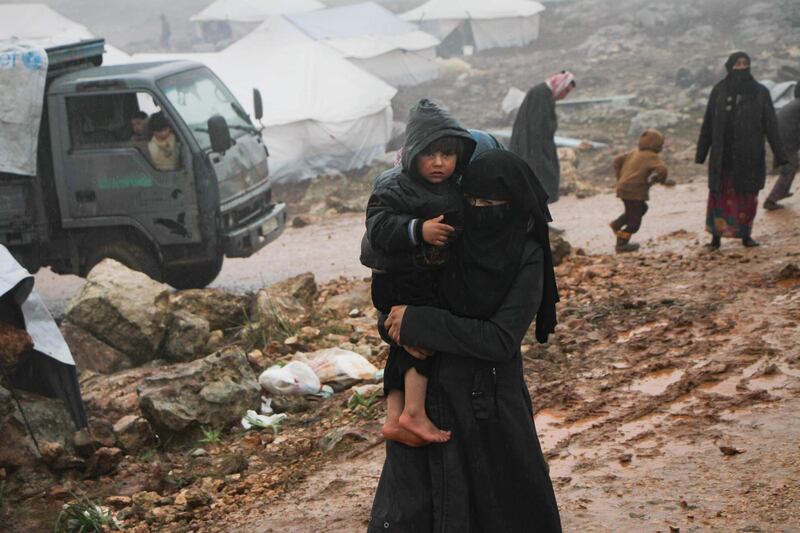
<point x="339" y="368"/>
<point x="254" y="420"/>
<point x="296" y="378"/>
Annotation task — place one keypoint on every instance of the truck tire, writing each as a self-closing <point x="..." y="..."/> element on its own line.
<point x="194" y="276"/>
<point x="130" y="254"/>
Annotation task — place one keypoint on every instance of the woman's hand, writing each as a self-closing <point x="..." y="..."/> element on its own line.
<point x="419" y="353"/>
<point x="394" y="322"/>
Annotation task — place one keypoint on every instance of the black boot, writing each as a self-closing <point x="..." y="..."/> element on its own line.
<point x="748" y="242"/>
<point x="623" y="246"/>
<point x="715" y="243"/>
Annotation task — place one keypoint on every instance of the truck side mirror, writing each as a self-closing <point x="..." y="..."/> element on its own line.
<point x="258" y="104"/>
<point x="219" y="133"/>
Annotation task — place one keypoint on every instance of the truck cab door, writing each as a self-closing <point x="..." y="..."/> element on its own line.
<point x="108" y="177"/>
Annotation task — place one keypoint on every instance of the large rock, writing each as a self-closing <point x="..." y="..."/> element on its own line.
<point x="286" y="303"/>
<point x="223" y="310"/>
<point x="48" y="419"/>
<point x="657" y="119"/>
<point x="133" y="433"/>
<point x="187" y="337"/>
<point x="91" y="353"/>
<point x="123" y="308"/>
<point x="114" y="395"/>
<point x="358" y="296"/>
<point x="213" y="392"/>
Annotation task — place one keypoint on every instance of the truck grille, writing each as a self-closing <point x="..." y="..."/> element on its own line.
<point x="243" y="214"/>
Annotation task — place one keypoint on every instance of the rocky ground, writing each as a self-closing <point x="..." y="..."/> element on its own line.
<point x="662" y="402"/>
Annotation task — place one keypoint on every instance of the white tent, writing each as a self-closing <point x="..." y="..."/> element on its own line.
<point x="233" y="19"/>
<point x="321" y="113"/>
<point x="37" y="24"/>
<point x="781" y="93"/>
<point x="495" y="24"/>
<point x="375" y="39"/>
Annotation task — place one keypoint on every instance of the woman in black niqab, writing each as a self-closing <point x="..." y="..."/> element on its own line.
<point x="488" y="255"/>
<point x="739" y="118"/>
<point x="491" y="475"/>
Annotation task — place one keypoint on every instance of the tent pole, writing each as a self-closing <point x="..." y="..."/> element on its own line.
<point x="19" y="406"/>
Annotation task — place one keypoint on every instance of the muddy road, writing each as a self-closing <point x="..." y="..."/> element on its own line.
<point x="330" y="247"/>
<point x="663" y="404"/>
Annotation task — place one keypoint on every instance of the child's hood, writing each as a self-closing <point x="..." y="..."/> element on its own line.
<point x="651" y="140"/>
<point x="427" y="122"/>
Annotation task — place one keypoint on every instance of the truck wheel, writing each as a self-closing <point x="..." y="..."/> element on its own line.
<point x="193" y="276"/>
<point x="130" y="254"/>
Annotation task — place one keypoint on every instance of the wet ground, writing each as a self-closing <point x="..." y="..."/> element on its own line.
<point x="330" y="247"/>
<point x="667" y="400"/>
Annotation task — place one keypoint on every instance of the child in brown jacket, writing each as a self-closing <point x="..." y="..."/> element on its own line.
<point x="636" y="172"/>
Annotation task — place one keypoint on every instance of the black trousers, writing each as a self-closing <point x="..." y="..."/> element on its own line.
<point x="782" y="187"/>
<point x="631" y="220"/>
<point x="411" y="288"/>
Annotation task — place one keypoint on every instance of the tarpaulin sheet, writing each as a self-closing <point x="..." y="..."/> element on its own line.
<point x="39" y="323"/>
<point x="23" y="73"/>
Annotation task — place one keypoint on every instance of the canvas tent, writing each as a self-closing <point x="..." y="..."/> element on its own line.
<point x="482" y="24"/>
<point x="37" y="24"/>
<point x="226" y="20"/>
<point x="321" y="113"/>
<point x="49" y="370"/>
<point x="375" y="39"/>
<point x="781" y="93"/>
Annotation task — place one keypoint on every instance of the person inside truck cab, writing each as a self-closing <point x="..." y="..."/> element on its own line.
<point x="164" y="148"/>
<point x="138" y="125"/>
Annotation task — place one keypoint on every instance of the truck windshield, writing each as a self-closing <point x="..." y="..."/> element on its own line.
<point x="197" y="95"/>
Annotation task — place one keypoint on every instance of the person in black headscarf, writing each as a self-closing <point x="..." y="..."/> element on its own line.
<point x="739" y="116"/>
<point x="491" y="475"/>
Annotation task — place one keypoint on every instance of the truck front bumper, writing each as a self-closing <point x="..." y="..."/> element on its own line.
<point x="247" y="240"/>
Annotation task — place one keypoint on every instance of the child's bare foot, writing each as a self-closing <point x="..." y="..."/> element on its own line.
<point x="394" y="431"/>
<point x="421" y="426"/>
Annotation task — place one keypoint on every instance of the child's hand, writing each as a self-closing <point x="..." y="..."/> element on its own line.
<point x="435" y="233"/>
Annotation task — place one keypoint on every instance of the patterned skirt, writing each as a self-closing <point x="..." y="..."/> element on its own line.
<point x="729" y="213"/>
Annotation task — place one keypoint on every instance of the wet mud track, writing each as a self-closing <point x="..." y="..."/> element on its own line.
<point x="666" y="402"/>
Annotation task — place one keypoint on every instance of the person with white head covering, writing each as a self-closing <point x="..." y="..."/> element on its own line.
<point x="533" y="135"/>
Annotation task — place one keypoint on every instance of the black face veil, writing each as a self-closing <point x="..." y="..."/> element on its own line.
<point x="489" y="254"/>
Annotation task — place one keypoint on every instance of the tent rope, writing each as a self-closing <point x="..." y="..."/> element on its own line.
<point x="21" y="411"/>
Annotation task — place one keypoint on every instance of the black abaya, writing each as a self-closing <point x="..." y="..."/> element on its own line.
<point x="491" y="476"/>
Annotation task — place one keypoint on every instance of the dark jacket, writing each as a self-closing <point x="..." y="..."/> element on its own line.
<point x="491" y="477"/>
<point x="533" y="137"/>
<point x="754" y="119"/>
<point x="789" y="126"/>
<point x="634" y="168"/>
<point x="402" y="200"/>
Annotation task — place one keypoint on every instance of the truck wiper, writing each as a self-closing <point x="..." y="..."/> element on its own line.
<point x="251" y="129"/>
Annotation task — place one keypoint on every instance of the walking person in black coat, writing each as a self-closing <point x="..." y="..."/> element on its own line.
<point x="738" y="118"/>
<point x="533" y="134"/>
<point x="789" y="128"/>
<point x="491" y="475"/>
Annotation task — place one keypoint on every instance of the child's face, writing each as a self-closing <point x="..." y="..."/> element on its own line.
<point x="139" y="126"/>
<point x="163" y="134"/>
<point x="436" y="167"/>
